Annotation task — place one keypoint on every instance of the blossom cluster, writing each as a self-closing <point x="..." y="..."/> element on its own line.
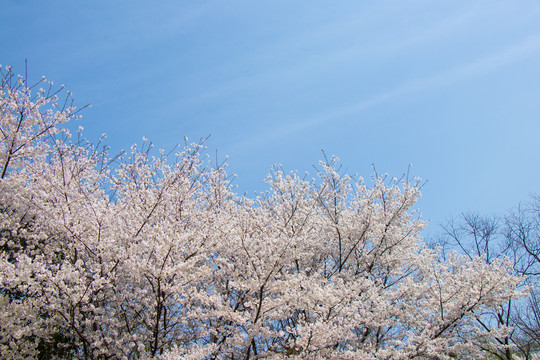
<point x="142" y="256"/>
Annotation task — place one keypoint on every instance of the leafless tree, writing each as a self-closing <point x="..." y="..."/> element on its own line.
<point x="515" y="237"/>
<point x="522" y="233"/>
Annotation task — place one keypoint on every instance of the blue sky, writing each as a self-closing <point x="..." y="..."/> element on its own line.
<point x="451" y="87"/>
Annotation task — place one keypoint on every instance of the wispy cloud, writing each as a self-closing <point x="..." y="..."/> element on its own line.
<point x="461" y="73"/>
<point x="329" y="46"/>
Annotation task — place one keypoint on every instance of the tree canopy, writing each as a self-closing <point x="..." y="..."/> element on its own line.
<point x="148" y="254"/>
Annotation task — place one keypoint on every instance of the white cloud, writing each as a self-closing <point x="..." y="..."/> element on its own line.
<point x="461" y="73"/>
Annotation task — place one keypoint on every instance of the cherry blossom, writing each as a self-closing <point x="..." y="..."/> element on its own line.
<point x="142" y="255"/>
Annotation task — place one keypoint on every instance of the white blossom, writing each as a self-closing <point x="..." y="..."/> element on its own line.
<point x="142" y="256"/>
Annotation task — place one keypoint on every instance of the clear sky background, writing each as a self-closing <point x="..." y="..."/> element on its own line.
<point x="451" y="87"/>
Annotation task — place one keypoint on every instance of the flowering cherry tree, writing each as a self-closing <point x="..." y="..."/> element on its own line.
<point x="142" y="256"/>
